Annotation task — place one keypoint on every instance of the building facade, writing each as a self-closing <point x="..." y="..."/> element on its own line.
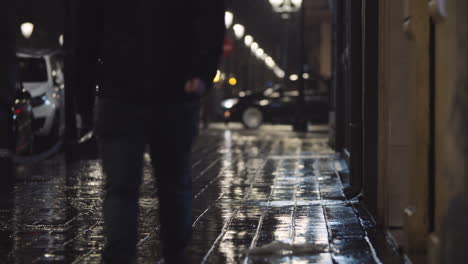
<point x="400" y="90"/>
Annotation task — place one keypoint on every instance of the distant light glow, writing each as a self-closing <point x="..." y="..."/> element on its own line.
<point x="217" y="78"/>
<point x="293" y="77"/>
<point x="264" y="102"/>
<point x="239" y="31"/>
<point x="297" y="3"/>
<point x="232" y="81"/>
<point x="254" y="47"/>
<point x="306" y="76"/>
<point x="270" y="62"/>
<point x="27" y="29"/>
<point x="286" y="6"/>
<point x="276" y="3"/>
<point x="228" y="19"/>
<point x="248" y="40"/>
<point x="61" y="39"/>
<point x="229" y="103"/>
<point x="259" y="53"/>
<point x="279" y="73"/>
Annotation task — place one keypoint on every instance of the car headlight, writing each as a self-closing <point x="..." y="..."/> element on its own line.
<point x="229" y="103"/>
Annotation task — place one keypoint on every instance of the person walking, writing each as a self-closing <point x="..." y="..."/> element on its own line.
<point x="158" y="59"/>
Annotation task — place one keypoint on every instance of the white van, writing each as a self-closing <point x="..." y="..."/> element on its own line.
<point x="42" y="75"/>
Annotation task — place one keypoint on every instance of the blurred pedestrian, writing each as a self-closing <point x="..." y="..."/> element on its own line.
<point x="158" y="59"/>
<point x="8" y="79"/>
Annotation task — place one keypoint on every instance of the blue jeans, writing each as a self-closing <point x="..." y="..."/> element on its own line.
<point x="123" y="131"/>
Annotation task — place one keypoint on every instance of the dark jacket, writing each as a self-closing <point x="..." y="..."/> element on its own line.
<point x="150" y="48"/>
<point x="8" y="69"/>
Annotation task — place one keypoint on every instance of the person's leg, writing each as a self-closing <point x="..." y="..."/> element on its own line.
<point x="175" y="199"/>
<point x="121" y="142"/>
<point x="171" y="154"/>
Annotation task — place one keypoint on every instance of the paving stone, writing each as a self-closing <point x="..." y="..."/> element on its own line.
<point x="251" y="188"/>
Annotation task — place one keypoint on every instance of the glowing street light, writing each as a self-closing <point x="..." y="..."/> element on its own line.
<point x="276" y="3"/>
<point x="259" y="53"/>
<point x="239" y="31"/>
<point x="217" y="78"/>
<point x="61" y="39"/>
<point x="278" y="72"/>
<point x="254" y="47"/>
<point x="248" y="40"/>
<point x="228" y="19"/>
<point x="286" y="6"/>
<point x="293" y="77"/>
<point x="232" y="81"/>
<point x="270" y="62"/>
<point x="297" y="2"/>
<point x="27" y="29"/>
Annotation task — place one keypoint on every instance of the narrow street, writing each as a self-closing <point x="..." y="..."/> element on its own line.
<point x="266" y="196"/>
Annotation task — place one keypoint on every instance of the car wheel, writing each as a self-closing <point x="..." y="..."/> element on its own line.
<point x="252" y="118"/>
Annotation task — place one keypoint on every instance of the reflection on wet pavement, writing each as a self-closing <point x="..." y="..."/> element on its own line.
<point x="273" y="189"/>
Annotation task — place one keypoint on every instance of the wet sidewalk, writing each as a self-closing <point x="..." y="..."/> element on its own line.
<point x="272" y="193"/>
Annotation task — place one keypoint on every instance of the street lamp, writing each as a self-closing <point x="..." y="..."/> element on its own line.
<point x="61" y="39"/>
<point x="228" y="19"/>
<point x="248" y="40"/>
<point x="270" y="62"/>
<point x="293" y="77"/>
<point x="27" y="29"/>
<point x="254" y="47"/>
<point x="239" y="31"/>
<point x="279" y="73"/>
<point x="286" y="6"/>
<point x="259" y="53"/>
<point x="217" y="78"/>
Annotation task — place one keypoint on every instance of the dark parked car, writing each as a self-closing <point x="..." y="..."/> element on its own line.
<point x="17" y="138"/>
<point x="273" y="106"/>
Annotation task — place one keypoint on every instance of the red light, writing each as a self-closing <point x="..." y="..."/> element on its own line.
<point x="18" y="111"/>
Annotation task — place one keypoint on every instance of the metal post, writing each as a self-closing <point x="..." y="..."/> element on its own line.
<point x="301" y="123"/>
<point x="356" y="92"/>
<point x="70" y="111"/>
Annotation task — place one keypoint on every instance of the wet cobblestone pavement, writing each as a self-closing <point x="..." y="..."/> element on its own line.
<point x="273" y="192"/>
